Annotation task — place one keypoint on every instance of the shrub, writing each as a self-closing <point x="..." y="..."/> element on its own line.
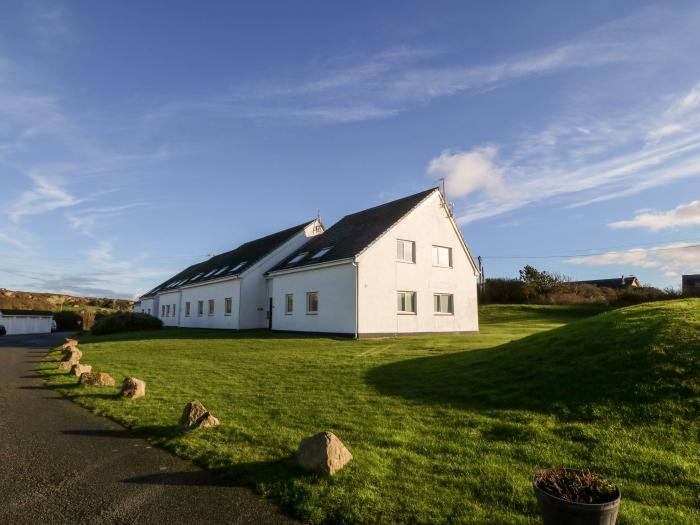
<point x="503" y="291"/>
<point x="67" y="321"/>
<point x="126" y="322"/>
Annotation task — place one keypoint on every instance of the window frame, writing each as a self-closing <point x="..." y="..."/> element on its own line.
<point x="200" y="308"/>
<point x="211" y="307"/>
<point x="174" y="313"/>
<point x="289" y="304"/>
<point x="228" y="306"/>
<point x="414" y="302"/>
<point x="167" y="310"/>
<point x="308" y="297"/>
<point x="450" y="304"/>
<point x="435" y="254"/>
<point x="188" y="308"/>
<point x="403" y="243"/>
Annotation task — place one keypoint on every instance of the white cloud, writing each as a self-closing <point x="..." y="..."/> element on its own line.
<point x="86" y="220"/>
<point x="467" y="172"/>
<point x="672" y="259"/>
<point x="46" y="195"/>
<point x="683" y="215"/>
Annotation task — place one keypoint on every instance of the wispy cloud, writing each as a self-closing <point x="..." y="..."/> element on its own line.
<point x="85" y="220"/>
<point x="669" y="258"/>
<point x="683" y="215"/>
<point x="46" y="195"/>
<point x="578" y="159"/>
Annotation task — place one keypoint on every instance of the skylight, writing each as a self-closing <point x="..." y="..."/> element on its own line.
<point x="298" y="257"/>
<point x="322" y="252"/>
<point x="222" y="270"/>
<point x="196" y="277"/>
<point x="238" y="267"/>
<point x="210" y="273"/>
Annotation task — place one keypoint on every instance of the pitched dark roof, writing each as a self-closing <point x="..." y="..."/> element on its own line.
<point x="230" y="263"/>
<point x="353" y="233"/>
<point x="619" y="282"/>
<point x="7" y="311"/>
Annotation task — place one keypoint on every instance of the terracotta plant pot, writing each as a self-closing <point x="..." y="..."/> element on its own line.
<point x="558" y="511"/>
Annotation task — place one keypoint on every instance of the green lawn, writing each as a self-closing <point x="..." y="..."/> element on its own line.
<point x="443" y="429"/>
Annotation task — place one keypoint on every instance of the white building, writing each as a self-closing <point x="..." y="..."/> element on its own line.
<point x="18" y="322"/>
<point x="399" y="268"/>
<point x="229" y="290"/>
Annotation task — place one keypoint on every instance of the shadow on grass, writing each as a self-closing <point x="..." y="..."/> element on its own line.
<point x="239" y="475"/>
<point x="607" y="359"/>
<point x="198" y="333"/>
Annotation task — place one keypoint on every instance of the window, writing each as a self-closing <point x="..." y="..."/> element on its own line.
<point x="187" y="309"/>
<point x="405" y="251"/>
<point x="443" y="303"/>
<point x="210" y="273"/>
<point x="167" y="310"/>
<point x="149" y="311"/>
<point x="162" y="310"/>
<point x="173" y="310"/>
<point x="200" y="308"/>
<point x="298" y="257"/>
<point x="289" y="303"/>
<point x="196" y="277"/>
<point x="228" y="305"/>
<point x="406" y="302"/>
<point x="322" y="252"/>
<point x="210" y="310"/>
<point x="238" y="267"/>
<point x="312" y="303"/>
<point x="222" y="270"/>
<point x="442" y="257"/>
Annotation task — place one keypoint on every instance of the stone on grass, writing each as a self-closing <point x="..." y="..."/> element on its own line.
<point x="323" y="453"/>
<point x="96" y="379"/>
<point x="66" y="365"/>
<point x="77" y="369"/>
<point x="72" y="356"/>
<point x="196" y="416"/>
<point x="133" y="388"/>
<point x="70" y="343"/>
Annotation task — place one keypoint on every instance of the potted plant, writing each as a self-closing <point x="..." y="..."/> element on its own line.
<point x="575" y="497"/>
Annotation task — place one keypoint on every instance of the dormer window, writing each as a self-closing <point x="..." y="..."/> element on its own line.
<point x="321" y="252"/>
<point x="298" y="257"/>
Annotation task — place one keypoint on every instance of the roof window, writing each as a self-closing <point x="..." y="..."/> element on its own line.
<point x="298" y="257"/>
<point x="238" y="266"/>
<point x="322" y="252"/>
<point x="222" y="270"/>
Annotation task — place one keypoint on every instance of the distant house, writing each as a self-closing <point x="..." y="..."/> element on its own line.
<point x="18" y="322"/>
<point x="617" y="284"/>
<point x="398" y="268"/>
<point x="691" y="285"/>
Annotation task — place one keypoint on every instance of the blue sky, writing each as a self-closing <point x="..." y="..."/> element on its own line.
<point x="138" y="137"/>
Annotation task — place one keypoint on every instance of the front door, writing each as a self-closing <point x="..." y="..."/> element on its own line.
<point x="269" y="315"/>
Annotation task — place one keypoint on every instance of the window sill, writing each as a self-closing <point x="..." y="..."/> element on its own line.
<point x="405" y="313"/>
<point x="445" y="267"/>
<point x="405" y="262"/>
<point x="311" y="313"/>
<point x="443" y="314"/>
<point x="227" y="315"/>
<point x="288" y="313"/>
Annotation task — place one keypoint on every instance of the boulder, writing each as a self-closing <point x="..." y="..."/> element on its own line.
<point x="96" y="379"/>
<point x="72" y="356"/>
<point x="70" y="343"/>
<point x="77" y="369"/>
<point x="323" y="453"/>
<point x="133" y="388"/>
<point x="196" y="416"/>
<point x="66" y="365"/>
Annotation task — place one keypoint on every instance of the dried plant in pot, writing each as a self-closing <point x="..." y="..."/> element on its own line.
<point x="575" y="497"/>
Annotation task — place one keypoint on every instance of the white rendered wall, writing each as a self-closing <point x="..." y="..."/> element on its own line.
<point x="218" y="291"/>
<point x="255" y="298"/>
<point x="169" y="299"/>
<point x="336" y="298"/>
<point x="145" y="306"/>
<point x="25" y="324"/>
<point x="381" y="276"/>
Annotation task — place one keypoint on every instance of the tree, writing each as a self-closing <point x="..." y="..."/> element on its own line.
<point x="539" y="282"/>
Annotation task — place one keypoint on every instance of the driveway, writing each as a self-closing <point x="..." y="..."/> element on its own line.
<point x="61" y="464"/>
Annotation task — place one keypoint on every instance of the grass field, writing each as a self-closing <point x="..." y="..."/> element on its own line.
<point x="443" y="429"/>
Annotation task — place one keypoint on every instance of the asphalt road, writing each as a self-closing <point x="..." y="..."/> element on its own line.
<point x="61" y="464"/>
